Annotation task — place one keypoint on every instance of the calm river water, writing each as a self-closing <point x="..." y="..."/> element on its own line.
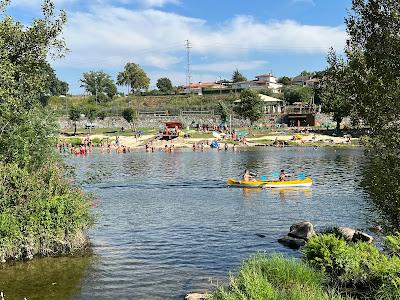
<point x="167" y="223"/>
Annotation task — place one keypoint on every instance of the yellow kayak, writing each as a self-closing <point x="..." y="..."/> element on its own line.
<point x="307" y="182"/>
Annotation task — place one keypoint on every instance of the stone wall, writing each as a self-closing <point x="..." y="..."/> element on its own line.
<point x="158" y="121"/>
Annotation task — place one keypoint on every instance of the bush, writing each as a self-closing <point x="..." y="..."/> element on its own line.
<point x="41" y="213"/>
<point x="74" y="141"/>
<point x="357" y="268"/>
<point x="392" y="244"/>
<point x="275" y="277"/>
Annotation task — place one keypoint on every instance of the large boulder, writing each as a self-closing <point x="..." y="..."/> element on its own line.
<point x="354" y="235"/>
<point x="362" y="237"/>
<point x="291" y="242"/>
<point x="346" y="232"/>
<point x="196" y="296"/>
<point x="303" y="230"/>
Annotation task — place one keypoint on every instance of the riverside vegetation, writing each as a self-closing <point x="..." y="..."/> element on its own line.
<point x="41" y="211"/>
<point x="366" y="86"/>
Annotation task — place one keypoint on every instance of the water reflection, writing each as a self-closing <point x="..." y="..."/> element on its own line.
<point x="47" y="278"/>
<point x="381" y="179"/>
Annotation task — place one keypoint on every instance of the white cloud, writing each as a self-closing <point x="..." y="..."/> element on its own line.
<point x="109" y="36"/>
<point x="158" y="3"/>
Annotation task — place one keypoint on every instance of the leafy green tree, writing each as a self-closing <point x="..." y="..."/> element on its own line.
<point x="27" y="131"/>
<point x="285" y="80"/>
<point x="99" y="84"/>
<point x="74" y="115"/>
<point x="55" y="86"/>
<point x="238" y="77"/>
<point x="224" y="111"/>
<point x="250" y="106"/>
<point x="373" y="52"/>
<point x="165" y="85"/>
<point x="294" y="94"/>
<point x="134" y="77"/>
<point x="305" y="73"/>
<point x="129" y="114"/>
<point x="335" y="91"/>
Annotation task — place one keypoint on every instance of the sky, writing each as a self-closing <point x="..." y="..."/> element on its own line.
<point x="284" y="37"/>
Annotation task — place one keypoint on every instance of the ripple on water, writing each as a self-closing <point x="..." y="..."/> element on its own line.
<point x="167" y="222"/>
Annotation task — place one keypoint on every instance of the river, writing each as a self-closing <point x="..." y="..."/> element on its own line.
<point x="167" y="223"/>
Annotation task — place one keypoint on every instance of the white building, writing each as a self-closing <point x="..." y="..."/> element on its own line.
<point x="262" y="81"/>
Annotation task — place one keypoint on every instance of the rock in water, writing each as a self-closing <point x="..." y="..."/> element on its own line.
<point x="303" y="230"/>
<point x="291" y="242"/>
<point x="347" y="232"/>
<point x="196" y="296"/>
<point x="363" y="237"/>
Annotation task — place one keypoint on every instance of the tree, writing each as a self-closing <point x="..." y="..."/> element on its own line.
<point x="27" y="131"/>
<point x="294" y="94"/>
<point x="91" y="114"/>
<point x="134" y="77"/>
<point x="373" y="52"/>
<point x="129" y="114"/>
<point x="55" y="87"/>
<point x="74" y="115"/>
<point x="224" y="111"/>
<point x="285" y="80"/>
<point x="250" y="106"/>
<point x="164" y="85"/>
<point x="335" y="92"/>
<point x="99" y="84"/>
<point x="238" y="77"/>
<point x="305" y="73"/>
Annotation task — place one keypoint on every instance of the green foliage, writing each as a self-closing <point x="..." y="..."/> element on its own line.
<point x="250" y="106"/>
<point x="91" y="112"/>
<point x="322" y="252"/>
<point x="335" y="91"/>
<point x="133" y="76"/>
<point x="129" y="114"/>
<point x="381" y="180"/>
<point x="293" y="94"/>
<point x="238" y="77"/>
<point x="305" y="73"/>
<point x="223" y="111"/>
<point x="373" y="53"/>
<point x="99" y="85"/>
<point x="262" y="277"/>
<point x="392" y="244"/>
<point x="41" y="213"/>
<point x="165" y="85"/>
<point x="266" y="92"/>
<point x="26" y="130"/>
<point x="358" y="268"/>
<point x="74" y="141"/>
<point x="285" y="80"/>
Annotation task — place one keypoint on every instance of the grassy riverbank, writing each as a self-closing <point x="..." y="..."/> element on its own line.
<point x="42" y="213"/>
<point x="331" y="268"/>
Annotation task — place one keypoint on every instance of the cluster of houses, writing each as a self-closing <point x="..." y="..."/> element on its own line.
<point x="298" y="114"/>
<point x="264" y="81"/>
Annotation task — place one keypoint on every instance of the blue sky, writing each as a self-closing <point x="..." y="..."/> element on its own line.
<point x="257" y="36"/>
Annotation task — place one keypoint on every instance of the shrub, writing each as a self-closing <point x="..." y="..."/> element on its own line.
<point x="74" y="141"/>
<point x="358" y="268"/>
<point x="41" y="213"/>
<point x="323" y="250"/>
<point x="275" y="277"/>
<point x="392" y="244"/>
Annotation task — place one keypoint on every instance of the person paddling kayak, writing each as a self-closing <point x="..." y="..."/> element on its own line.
<point x="248" y="176"/>
<point x="282" y="175"/>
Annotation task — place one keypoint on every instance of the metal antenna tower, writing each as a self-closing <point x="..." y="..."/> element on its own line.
<point x="188" y="46"/>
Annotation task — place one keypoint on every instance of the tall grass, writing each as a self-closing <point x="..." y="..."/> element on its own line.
<point x="276" y="278"/>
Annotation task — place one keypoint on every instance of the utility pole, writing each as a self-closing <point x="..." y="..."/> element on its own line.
<point x="188" y="46"/>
